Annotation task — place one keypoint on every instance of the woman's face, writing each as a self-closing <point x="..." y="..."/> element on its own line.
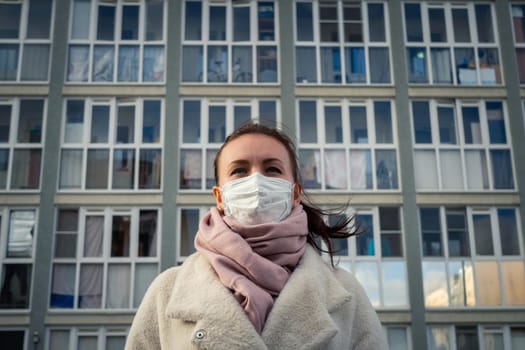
<point x="253" y="153"/>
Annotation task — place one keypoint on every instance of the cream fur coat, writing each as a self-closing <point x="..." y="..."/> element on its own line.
<point x="187" y="307"/>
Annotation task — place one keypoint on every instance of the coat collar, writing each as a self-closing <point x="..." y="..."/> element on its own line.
<point x="300" y="317"/>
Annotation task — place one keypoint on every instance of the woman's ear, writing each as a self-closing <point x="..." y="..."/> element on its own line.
<point x="297" y="189"/>
<point x="218" y="198"/>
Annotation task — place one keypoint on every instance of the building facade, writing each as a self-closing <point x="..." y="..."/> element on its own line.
<point x="111" y="112"/>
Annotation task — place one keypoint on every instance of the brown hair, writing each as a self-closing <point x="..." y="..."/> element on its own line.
<point x="317" y="227"/>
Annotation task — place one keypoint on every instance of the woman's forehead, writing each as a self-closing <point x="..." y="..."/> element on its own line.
<point x="254" y="146"/>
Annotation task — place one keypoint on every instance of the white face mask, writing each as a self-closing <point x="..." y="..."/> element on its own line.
<point x="257" y="199"/>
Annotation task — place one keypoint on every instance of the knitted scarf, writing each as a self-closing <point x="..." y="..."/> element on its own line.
<point x="254" y="261"/>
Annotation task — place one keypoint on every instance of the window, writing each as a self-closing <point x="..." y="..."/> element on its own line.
<point x="111" y="144"/>
<point x="517" y="11"/>
<point x="347" y="145"/>
<point x="21" y="142"/>
<point x="13" y="338"/>
<point x="341" y="42"/>
<point x="116" y="41"/>
<point x="398" y="338"/>
<point x="375" y="256"/>
<point x="84" y="338"/>
<point x="461" y="145"/>
<point x="94" y="246"/>
<point x="230" y="42"/>
<point x="189" y="218"/>
<point x="451" y="44"/>
<point x="205" y="125"/>
<point x="17" y="241"/>
<point x="25" y="33"/>
<point x="471" y="257"/>
<point x="470" y="336"/>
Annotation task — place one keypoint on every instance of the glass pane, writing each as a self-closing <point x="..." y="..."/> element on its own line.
<point x="123" y="168"/>
<point x="310" y="165"/>
<point x="4" y="162"/>
<point x="308" y="121"/>
<point x="103" y="63"/>
<point x="355" y="65"/>
<point x="333" y="124"/>
<point x="81" y="19"/>
<point x="106" y="23"/>
<point x="413" y="27"/>
<point x="493" y="340"/>
<point x="71" y="169"/>
<point x="217" y="23"/>
<point x="9" y="61"/>
<point x="118" y="286"/>
<point x="458" y="240"/>
<point x="190" y="169"/>
<point x="461" y="282"/>
<point x="518" y="337"/>
<point x="353" y="29"/>
<point x="191" y="122"/>
<point x="490" y="72"/>
<point x="150" y="168"/>
<point x="328" y="22"/>
<point x="128" y="63"/>
<point x="268" y="113"/>
<point x="421" y="120"/>
<point x="441" y="66"/>
<point x="67" y="220"/>
<point x="192" y="20"/>
<point x="120" y="235"/>
<point x="389" y="219"/>
<point x="97" y="169"/>
<point x="153" y="68"/>
<point x="461" y="25"/>
<point x="10" y="19"/>
<point x="21" y="234"/>
<point x="502" y="169"/>
<point x="241" y="115"/>
<point x="383" y="122"/>
<point x="151" y="122"/>
<point x="496" y="123"/>
<point x="147" y="245"/>
<point x="394" y="286"/>
<point x="217" y="124"/>
<point x="513" y="282"/>
<point x="58" y="339"/>
<point x="397" y="338"/>
<point x="115" y="342"/>
<point x="451" y="170"/>
<point x="335" y="169"/>
<point x="87" y="342"/>
<point x="467" y="338"/>
<point x="266" y="64"/>
<point x="417" y="65"/>
<point x="483" y="234"/>
<point x="438" y="28"/>
<point x="39" y="19"/>
<point x="487" y="282"/>
<point x="241" y="23"/>
<point x="144" y="275"/>
<point x="154" y="20"/>
<point x="368" y="276"/>
<point x="130" y="23"/>
<point x="16" y="286"/>
<point x="217" y="64"/>
<point x="90" y="287"/>
<point x="330" y="65"/>
<point x="386" y="169"/>
<point x="192" y="63"/>
<point x="484" y="23"/>
<point x="30" y="121"/>
<point x="93" y="236"/>
<point x="99" y="124"/>
<point x="26" y="169"/>
<point x="439" y="338"/>
<point x="466" y="66"/>
<point x="35" y="62"/>
<point x="376" y="23"/>
<point x="66" y="243"/>
<point x="78" y="63"/>
<point x="431" y="231"/>
<point x="365" y="240"/>
<point x="74" y="129"/>
<point x="425" y="168"/>
<point x="63" y="286"/>
<point x="5" y="123"/>
<point x="242" y="64"/>
<point x="447" y="125"/>
<point x="304" y="21"/>
<point x="358" y="124"/>
<point x="477" y="171"/>
<point x="435" y="284"/>
<point x="126" y="124"/>
<point x="471" y="126"/>
<point x="265" y="14"/>
<point x="189" y="225"/>
<point x="379" y="62"/>
<point x="508" y="232"/>
<point x="305" y="65"/>
<point x="360" y="169"/>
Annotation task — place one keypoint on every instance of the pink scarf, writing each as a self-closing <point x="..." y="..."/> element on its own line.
<point x="253" y="261"/>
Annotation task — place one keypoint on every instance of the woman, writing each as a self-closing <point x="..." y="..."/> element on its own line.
<point x="257" y="280"/>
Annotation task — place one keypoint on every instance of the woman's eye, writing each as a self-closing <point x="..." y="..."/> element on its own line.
<point x="273" y="169"/>
<point x="238" y="171"/>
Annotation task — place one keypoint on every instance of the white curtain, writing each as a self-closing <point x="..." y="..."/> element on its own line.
<point x="441" y="66"/>
<point x="8" y="61"/>
<point x="71" y="169"/>
<point x="360" y="169"/>
<point x="144" y="275"/>
<point x="476" y="166"/>
<point x="21" y="226"/>
<point x="90" y="289"/>
<point x="153" y="68"/>
<point x="451" y="174"/>
<point x="63" y="279"/>
<point x="119" y="276"/>
<point x="335" y="169"/>
<point x="128" y="63"/>
<point x="78" y="63"/>
<point x="103" y="63"/>
<point x="94" y="236"/>
<point x="425" y="168"/>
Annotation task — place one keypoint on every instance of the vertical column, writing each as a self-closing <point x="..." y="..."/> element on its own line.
<point x="287" y="65"/>
<point x="412" y="237"/>
<point x="42" y="267"/>
<point x="514" y="103"/>
<point x="171" y="130"/>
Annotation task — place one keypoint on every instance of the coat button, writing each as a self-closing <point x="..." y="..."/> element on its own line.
<point x="200" y="334"/>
